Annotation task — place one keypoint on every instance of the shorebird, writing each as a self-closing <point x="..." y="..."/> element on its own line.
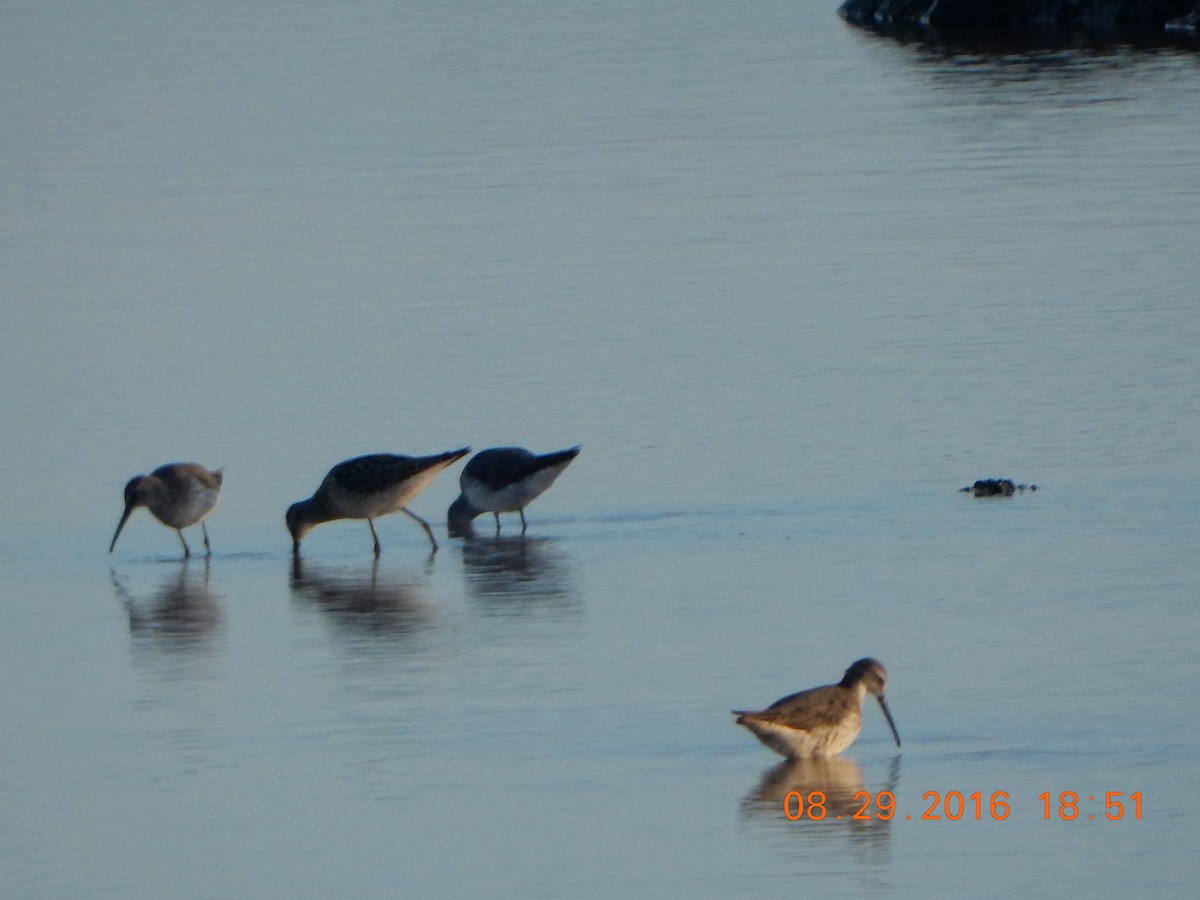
<point x="178" y="494"/>
<point x="822" y="721"/>
<point x="368" y="487"/>
<point x="504" y="479"/>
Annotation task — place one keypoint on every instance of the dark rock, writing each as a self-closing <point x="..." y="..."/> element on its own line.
<point x="996" y="487"/>
<point x="1023" y="21"/>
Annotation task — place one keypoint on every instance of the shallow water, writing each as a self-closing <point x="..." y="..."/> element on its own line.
<point x="790" y="286"/>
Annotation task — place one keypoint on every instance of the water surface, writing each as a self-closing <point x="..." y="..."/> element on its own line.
<point x="789" y="284"/>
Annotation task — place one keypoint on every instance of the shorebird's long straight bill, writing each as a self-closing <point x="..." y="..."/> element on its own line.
<point x="887" y="714"/>
<point x="129" y="508"/>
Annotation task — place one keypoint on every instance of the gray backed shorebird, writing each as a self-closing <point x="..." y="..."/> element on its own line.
<point x="504" y="479"/>
<point x="178" y="494"/>
<point x="368" y="487"/>
<point x="822" y="721"/>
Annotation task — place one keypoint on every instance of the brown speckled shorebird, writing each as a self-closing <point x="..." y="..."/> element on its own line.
<point x="368" y="487"/>
<point x="504" y="479"/>
<point x="822" y="721"/>
<point x="178" y="494"/>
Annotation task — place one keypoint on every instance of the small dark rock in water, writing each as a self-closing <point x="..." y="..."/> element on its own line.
<point x="996" y="487"/>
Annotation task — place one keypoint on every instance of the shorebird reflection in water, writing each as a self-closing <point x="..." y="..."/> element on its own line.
<point x="178" y="494"/>
<point x="822" y="721"/>
<point x="368" y="487"/>
<point x="363" y="601"/>
<point x="504" y="479"/>
<point x="181" y="613"/>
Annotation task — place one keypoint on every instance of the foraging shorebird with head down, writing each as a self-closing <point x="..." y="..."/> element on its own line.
<point x="368" y="487"/>
<point x="504" y="479"/>
<point x="178" y="495"/>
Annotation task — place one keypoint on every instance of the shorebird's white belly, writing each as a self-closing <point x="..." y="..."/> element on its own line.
<point x="825" y="740"/>
<point x="512" y="497"/>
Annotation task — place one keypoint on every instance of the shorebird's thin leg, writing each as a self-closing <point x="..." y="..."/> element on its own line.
<point x="375" y="536"/>
<point x="497" y="515"/>
<point x="424" y="524"/>
<point x="186" y="552"/>
<point x="207" y="546"/>
<point x="522" y="512"/>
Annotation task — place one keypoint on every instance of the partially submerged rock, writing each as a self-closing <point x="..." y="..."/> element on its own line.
<point x="1019" y="21"/>
<point x="996" y="487"/>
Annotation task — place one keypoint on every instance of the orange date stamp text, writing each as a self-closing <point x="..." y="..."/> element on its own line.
<point x="954" y="806"/>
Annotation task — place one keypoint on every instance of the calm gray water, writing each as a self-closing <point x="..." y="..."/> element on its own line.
<point x="790" y="286"/>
